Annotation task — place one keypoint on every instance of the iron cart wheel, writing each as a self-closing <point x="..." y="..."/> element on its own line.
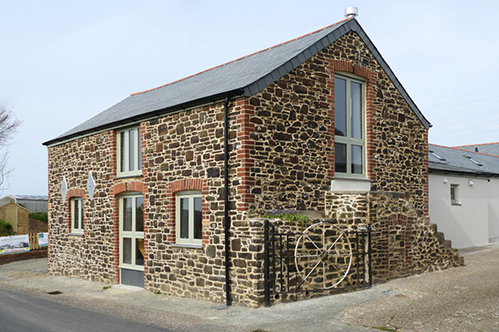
<point x="323" y="255"/>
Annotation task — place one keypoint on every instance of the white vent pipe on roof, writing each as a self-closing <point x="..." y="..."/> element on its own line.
<point x="351" y="11"/>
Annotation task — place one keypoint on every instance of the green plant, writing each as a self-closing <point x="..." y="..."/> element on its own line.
<point x="6" y="229"/>
<point x="289" y="215"/>
<point x="40" y="216"/>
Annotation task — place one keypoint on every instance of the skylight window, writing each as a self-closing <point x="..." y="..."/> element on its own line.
<point x="436" y="155"/>
<point x="473" y="161"/>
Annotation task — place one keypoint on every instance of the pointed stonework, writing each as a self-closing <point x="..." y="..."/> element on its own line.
<point x="64" y="188"/>
<point x="90" y="185"/>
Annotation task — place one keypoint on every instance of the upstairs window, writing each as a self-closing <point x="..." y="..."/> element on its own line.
<point x="129" y="152"/>
<point x="76" y="215"/>
<point x="189" y="217"/>
<point x="349" y="127"/>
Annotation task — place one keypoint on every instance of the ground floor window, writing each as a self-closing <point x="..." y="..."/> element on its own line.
<point x="454" y="194"/>
<point x="77" y="215"/>
<point x="189" y="217"/>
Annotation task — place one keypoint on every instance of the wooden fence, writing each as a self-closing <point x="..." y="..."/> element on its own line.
<point x="33" y="242"/>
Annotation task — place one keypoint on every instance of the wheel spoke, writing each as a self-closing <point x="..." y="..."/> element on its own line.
<point x="308" y="274"/>
<point x="312" y="242"/>
<point x="331" y="246"/>
<point x="310" y="256"/>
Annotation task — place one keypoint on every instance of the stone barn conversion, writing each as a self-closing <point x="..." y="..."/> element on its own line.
<point x="166" y="189"/>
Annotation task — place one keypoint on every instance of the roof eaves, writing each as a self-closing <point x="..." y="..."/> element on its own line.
<point x="144" y="116"/>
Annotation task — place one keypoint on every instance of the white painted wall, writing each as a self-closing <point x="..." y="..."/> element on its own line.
<point x="475" y="221"/>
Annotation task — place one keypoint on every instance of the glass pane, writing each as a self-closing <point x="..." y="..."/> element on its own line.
<point x="139" y="150"/>
<point x="357" y="159"/>
<point x="75" y="214"/>
<point x="131" y="149"/>
<point x="127" y="250"/>
<point x="122" y="151"/>
<point x="139" y="251"/>
<point x="356" y="116"/>
<point x="127" y="214"/>
<point x="340" y="107"/>
<point x="198" y="218"/>
<point x="184" y="218"/>
<point x="340" y="157"/>
<point x="139" y="214"/>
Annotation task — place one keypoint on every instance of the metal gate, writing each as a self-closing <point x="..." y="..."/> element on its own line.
<point x="322" y="258"/>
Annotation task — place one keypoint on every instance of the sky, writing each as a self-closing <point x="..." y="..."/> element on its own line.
<point x="63" y="62"/>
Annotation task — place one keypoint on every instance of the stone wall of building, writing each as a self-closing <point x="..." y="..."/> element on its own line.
<point x="292" y="141"/>
<point x="185" y="151"/>
<point x="93" y="254"/>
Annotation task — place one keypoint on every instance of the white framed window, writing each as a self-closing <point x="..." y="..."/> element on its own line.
<point x="132" y="232"/>
<point x="454" y="194"/>
<point x="77" y="215"/>
<point x="189" y="217"/>
<point x="129" y="152"/>
<point x="349" y="127"/>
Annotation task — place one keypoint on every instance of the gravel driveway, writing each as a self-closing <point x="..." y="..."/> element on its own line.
<point x="458" y="299"/>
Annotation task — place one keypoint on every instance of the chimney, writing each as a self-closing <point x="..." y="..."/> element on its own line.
<point x="351" y="11"/>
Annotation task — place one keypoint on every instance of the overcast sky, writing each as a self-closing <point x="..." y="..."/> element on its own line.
<point x="62" y="62"/>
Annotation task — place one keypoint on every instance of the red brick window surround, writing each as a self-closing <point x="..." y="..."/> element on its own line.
<point x="370" y="77"/>
<point x="72" y="196"/>
<point x="181" y="187"/>
<point x="116" y="191"/>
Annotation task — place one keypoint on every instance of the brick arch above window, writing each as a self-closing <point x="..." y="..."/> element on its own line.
<point x="350" y="67"/>
<point x="122" y="187"/>
<point x="179" y="186"/>
<point x="189" y="184"/>
<point x="75" y="193"/>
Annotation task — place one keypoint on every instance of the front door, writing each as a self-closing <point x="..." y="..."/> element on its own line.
<point x="132" y="240"/>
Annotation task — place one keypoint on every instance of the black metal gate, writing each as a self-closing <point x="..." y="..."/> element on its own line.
<point x="322" y="258"/>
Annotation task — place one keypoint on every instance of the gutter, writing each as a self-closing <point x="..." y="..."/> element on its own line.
<point x="142" y="117"/>
<point x="228" y="297"/>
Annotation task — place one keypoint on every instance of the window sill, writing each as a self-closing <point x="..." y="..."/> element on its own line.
<point x="350" y="184"/>
<point x="132" y="267"/>
<point x="188" y="246"/>
<point x="76" y="234"/>
<point x="127" y="176"/>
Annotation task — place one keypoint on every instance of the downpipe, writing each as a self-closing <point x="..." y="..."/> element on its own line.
<point x="227" y="222"/>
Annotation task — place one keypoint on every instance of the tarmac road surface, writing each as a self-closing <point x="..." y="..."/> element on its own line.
<point x="20" y="312"/>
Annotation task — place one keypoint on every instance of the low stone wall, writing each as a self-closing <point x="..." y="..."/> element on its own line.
<point x="403" y="241"/>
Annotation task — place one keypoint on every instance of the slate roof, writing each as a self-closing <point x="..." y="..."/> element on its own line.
<point x="489" y="148"/>
<point x="461" y="161"/>
<point x="242" y="77"/>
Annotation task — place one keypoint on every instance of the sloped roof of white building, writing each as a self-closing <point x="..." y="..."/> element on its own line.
<point x="458" y="160"/>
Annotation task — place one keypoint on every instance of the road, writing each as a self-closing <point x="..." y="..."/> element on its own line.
<point x="460" y="299"/>
<point x="20" y="312"/>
